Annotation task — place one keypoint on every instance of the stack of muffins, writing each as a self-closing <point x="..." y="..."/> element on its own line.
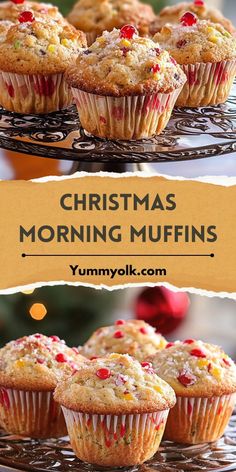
<point x="121" y="391"/>
<point x="136" y="68"/>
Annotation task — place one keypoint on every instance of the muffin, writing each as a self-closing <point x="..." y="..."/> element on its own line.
<point x="30" y="369"/>
<point x="115" y="410"/>
<point x="125" y="87"/>
<point x="204" y="380"/>
<point x="133" y="337"/>
<point x="33" y="58"/>
<point x="10" y="10"/>
<point x="207" y="54"/>
<point x="172" y="15"/>
<point x="95" y="16"/>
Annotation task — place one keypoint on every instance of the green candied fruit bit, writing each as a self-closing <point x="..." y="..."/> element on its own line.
<point x="227" y="34"/>
<point x="17" y="44"/>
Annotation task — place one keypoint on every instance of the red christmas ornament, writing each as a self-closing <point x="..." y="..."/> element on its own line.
<point x="162" y="308"/>
<point x="188" y="19"/>
<point x="103" y="374"/>
<point x="26" y="17"/>
<point x="128" y="31"/>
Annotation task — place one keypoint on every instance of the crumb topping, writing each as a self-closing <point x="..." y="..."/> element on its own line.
<point x="134" y="337"/>
<point x="117" y="382"/>
<point x="38" y="45"/>
<point x="172" y="15"/>
<point x="194" y="41"/>
<point x="41" y="358"/>
<point x="192" y="365"/>
<point x="99" y="15"/>
<point x="123" y="63"/>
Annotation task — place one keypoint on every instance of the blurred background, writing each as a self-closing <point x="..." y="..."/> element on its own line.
<point x="19" y="166"/>
<point x="73" y="313"/>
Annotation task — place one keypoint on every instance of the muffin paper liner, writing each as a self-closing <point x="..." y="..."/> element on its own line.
<point x="91" y="37"/>
<point x="111" y="440"/>
<point x="198" y="420"/>
<point x="207" y="84"/>
<point x="33" y="414"/>
<point x="127" y="118"/>
<point x="29" y="94"/>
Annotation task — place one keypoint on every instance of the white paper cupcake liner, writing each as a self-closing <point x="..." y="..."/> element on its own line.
<point x="33" y="414"/>
<point x="126" y="118"/>
<point x="112" y="440"/>
<point x="198" y="420"/>
<point x="207" y="84"/>
<point x="29" y="94"/>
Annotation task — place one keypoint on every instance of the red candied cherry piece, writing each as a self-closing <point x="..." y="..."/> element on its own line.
<point x="155" y="68"/>
<point x="103" y="373"/>
<point x="93" y="358"/>
<point x="186" y="378"/>
<point x="197" y="353"/>
<point x="40" y="361"/>
<point x="17" y="2"/>
<point x="173" y="61"/>
<point x="75" y="349"/>
<point x="60" y="357"/>
<point x="181" y="43"/>
<point x="143" y="330"/>
<point x="169" y="345"/>
<point x="199" y="3"/>
<point x="38" y="336"/>
<point x="226" y="362"/>
<point x="26" y="17"/>
<point x="55" y="339"/>
<point x="119" y="322"/>
<point x="128" y="31"/>
<point x="188" y="19"/>
<point x="188" y="341"/>
<point x="146" y="364"/>
<point x="118" y="334"/>
<point x="158" y="51"/>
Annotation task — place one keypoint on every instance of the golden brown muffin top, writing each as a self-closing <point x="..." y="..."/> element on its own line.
<point x="133" y="337"/>
<point x="39" y="46"/>
<point x="173" y="14"/>
<point x="117" y="384"/>
<point x="100" y="15"/>
<point x="122" y="63"/>
<point x="10" y="10"/>
<point x="37" y="362"/>
<point x="195" y="369"/>
<point x="203" y="41"/>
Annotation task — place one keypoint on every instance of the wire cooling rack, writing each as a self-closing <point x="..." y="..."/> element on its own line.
<point x="191" y="134"/>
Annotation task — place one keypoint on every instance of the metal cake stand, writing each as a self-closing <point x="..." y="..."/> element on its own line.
<point x="18" y="454"/>
<point x="191" y="134"/>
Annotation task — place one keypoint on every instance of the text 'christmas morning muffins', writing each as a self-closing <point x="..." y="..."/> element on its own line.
<point x="34" y="55"/>
<point x="204" y="380"/>
<point x="207" y="54"/>
<point x="125" y="86"/>
<point x="115" y="410"/>
<point x="30" y="369"/>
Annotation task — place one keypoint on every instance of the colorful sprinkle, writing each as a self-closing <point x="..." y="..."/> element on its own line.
<point x="226" y="362"/>
<point x="17" y="44"/>
<point x="188" y="19"/>
<point x="103" y="373"/>
<point x="26" y="17"/>
<point x="128" y="31"/>
<point x="51" y="48"/>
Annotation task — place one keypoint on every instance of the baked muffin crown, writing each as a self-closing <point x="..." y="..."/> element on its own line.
<point x="39" y="46"/>
<point x="100" y="15"/>
<point x="10" y="10"/>
<point x="172" y="15"/>
<point x="134" y="337"/>
<point x="122" y="63"/>
<point x="117" y="384"/>
<point x="37" y="362"/>
<point x="203" y="41"/>
<point x="195" y="369"/>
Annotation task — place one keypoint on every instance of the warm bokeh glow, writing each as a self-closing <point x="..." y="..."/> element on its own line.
<point x="38" y="311"/>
